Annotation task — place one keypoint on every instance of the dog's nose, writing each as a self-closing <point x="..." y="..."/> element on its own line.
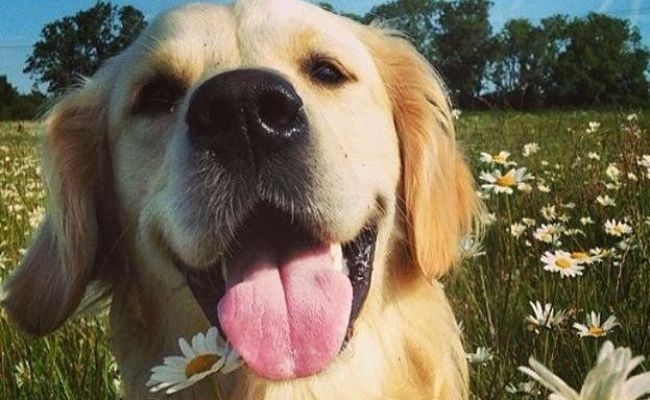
<point x="246" y="113"/>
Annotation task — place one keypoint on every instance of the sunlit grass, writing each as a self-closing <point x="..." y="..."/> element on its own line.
<point x="72" y="363"/>
<point x="491" y="293"/>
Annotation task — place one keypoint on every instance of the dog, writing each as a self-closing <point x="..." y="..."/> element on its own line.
<point x="283" y="173"/>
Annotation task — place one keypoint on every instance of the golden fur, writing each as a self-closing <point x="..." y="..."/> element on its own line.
<point x="112" y="178"/>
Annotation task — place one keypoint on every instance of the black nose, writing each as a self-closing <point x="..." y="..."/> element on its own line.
<point x="246" y="113"/>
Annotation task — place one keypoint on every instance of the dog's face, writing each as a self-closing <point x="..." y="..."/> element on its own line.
<point x="274" y="162"/>
<point x="269" y="168"/>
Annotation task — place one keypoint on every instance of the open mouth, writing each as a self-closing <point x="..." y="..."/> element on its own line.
<point x="285" y="300"/>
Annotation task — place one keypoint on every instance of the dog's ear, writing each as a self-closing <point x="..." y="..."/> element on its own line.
<point x="51" y="280"/>
<point x="438" y="193"/>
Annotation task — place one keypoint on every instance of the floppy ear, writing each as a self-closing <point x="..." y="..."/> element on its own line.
<point x="439" y="198"/>
<point x="48" y="285"/>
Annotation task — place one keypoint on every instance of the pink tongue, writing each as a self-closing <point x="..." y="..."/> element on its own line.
<point x="288" y="313"/>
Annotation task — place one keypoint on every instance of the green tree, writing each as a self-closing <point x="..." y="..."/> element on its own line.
<point x="463" y="46"/>
<point x="415" y="18"/>
<point x="16" y="106"/>
<point x="76" y="45"/>
<point x="603" y="63"/>
<point x="8" y="98"/>
<point x="525" y="59"/>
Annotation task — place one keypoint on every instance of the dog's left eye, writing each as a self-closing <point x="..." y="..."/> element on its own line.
<point x="326" y="72"/>
<point x="159" y="96"/>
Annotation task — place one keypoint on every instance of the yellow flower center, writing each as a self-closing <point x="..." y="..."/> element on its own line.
<point x="596" y="331"/>
<point x="506" y="180"/>
<point x="563" y="263"/>
<point x="579" y="255"/>
<point x="200" y="364"/>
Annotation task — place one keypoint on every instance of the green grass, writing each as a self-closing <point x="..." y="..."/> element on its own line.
<point x="491" y="292"/>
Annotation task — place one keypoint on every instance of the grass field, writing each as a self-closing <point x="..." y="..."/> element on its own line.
<point x="584" y="201"/>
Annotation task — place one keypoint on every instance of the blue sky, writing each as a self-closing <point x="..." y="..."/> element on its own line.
<point x="22" y="20"/>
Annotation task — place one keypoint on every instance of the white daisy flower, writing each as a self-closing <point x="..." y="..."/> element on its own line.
<point x="488" y="219"/>
<point x="586" y="221"/>
<point x="632" y="176"/>
<point x="544" y="317"/>
<point x="499" y="183"/>
<point x="562" y="262"/>
<point x="593" y="156"/>
<point x="593" y="127"/>
<point x="608" y="379"/>
<point x="584" y="258"/>
<point x="548" y="212"/>
<point x="525" y="187"/>
<point x="548" y="233"/>
<point x="206" y="355"/>
<point x="469" y="247"/>
<point x="612" y="172"/>
<point x="481" y="356"/>
<point x="632" y="117"/>
<point x="644" y="161"/>
<point x="593" y="327"/>
<point x="530" y="148"/>
<point x="615" y="228"/>
<point x="530" y="222"/>
<point x="499" y="159"/>
<point x="517" y="229"/>
<point x="606" y="201"/>
<point x="527" y="388"/>
<point x="543" y="188"/>
<point x="456" y="113"/>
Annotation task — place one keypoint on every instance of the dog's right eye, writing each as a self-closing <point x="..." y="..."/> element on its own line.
<point x="159" y="96"/>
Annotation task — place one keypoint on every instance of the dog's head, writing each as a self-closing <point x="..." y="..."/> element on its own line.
<point x="293" y="169"/>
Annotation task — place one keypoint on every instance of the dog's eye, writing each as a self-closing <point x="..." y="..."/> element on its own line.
<point x="325" y="72"/>
<point x="159" y="96"/>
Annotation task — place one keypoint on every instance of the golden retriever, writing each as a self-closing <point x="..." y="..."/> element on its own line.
<point x="214" y="172"/>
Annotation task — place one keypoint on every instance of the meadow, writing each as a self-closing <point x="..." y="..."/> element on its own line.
<point x="570" y="232"/>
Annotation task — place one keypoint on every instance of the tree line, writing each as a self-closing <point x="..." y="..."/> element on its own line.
<point x="591" y="61"/>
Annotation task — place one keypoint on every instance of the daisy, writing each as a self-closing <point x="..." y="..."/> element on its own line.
<point x="593" y="156"/>
<point x="593" y="327"/>
<point x="562" y="262"/>
<point x="583" y="258"/>
<point x="586" y="221"/>
<point x="206" y="355"/>
<point x="548" y="212"/>
<point x="529" y="221"/>
<point x="548" y="233"/>
<point x="517" y="229"/>
<point x="613" y="173"/>
<point x="605" y="201"/>
<point x="480" y="356"/>
<point x="607" y="380"/>
<point x="615" y="228"/>
<point x="527" y="388"/>
<point x="530" y="148"/>
<point x="456" y="113"/>
<point x="544" y="317"/>
<point x="543" y="188"/>
<point x="499" y="183"/>
<point x="469" y="247"/>
<point x="500" y="159"/>
<point x="644" y="161"/>
<point x="593" y="127"/>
